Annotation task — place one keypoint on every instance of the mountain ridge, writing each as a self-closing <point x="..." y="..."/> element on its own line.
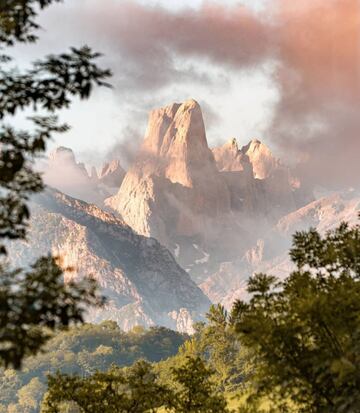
<point x="140" y="277"/>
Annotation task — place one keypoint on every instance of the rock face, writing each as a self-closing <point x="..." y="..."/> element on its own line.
<point x="174" y="187"/>
<point x="143" y="282"/>
<point x="258" y="182"/>
<point x="262" y="160"/>
<point x="229" y="158"/>
<point x="202" y="204"/>
<point x="255" y="158"/>
<point x="67" y="175"/>
<point x="270" y="253"/>
<point x="112" y="174"/>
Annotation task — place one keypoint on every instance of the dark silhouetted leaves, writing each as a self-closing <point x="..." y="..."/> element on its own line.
<point x="31" y="300"/>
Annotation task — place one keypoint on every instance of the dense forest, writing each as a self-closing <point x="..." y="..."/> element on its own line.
<point x="83" y="350"/>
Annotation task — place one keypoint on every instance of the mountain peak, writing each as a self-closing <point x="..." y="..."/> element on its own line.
<point x="110" y="167"/>
<point x="255" y="145"/>
<point x="112" y="174"/>
<point x="261" y="158"/>
<point x="174" y="179"/>
<point x="191" y="103"/>
<point x="176" y="137"/>
<point x="62" y="153"/>
<point x="231" y="144"/>
<point x="228" y="157"/>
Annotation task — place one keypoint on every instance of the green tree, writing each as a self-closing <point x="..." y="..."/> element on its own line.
<point x="305" y="331"/>
<point x="218" y="344"/>
<point x="132" y="390"/>
<point x="137" y="389"/>
<point x="37" y="298"/>
<point x="196" y="392"/>
<point x="221" y="345"/>
<point x="9" y="385"/>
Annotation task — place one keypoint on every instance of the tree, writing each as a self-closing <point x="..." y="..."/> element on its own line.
<point x="196" y="392"/>
<point x="132" y="390"/>
<point x="221" y="345"/>
<point x="305" y="330"/>
<point x="37" y="298"/>
<point x="217" y="343"/>
<point x="137" y="389"/>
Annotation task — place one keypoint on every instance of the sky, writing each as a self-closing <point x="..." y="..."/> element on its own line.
<point x="285" y="72"/>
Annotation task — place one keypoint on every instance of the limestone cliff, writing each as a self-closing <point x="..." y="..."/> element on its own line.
<point x="259" y="183"/>
<point x="141" y="279"/>
<point x="112" y="174"/>
<point x="173" y="188"/>
<point x="207" y="206"/>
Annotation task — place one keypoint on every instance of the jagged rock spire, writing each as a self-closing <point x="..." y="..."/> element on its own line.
<point x="261" y="158"/>
<point x="176" y="138"/>
<point x="174" y="182"/>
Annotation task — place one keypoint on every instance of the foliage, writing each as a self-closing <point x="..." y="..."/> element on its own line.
<point x="49" y="85"/>
<point x="218" y="344"/>
<point x="133" y="390"/>
<point x="197" y="393"/>
<point x="30" y="396"/>
<point x="39" y="300"/>
<point x="85" y="349"/>
<point x="305" y="331"/>
<point x="17" y="22"/>
<point x="293" y="348"/>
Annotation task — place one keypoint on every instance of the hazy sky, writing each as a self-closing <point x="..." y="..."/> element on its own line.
<point x="287" y="72"/>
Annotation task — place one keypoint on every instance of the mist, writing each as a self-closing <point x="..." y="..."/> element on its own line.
<point x="314" y="48"/>
<point x="310" y="52"/>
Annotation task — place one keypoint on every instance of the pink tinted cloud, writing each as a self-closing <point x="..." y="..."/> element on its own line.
<point x="319" y="81"/>
<point x="315" y="44"/>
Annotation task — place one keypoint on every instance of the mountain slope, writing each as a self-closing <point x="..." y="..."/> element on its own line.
<point x="270" y="253"/>
<point x="141" y="279"/>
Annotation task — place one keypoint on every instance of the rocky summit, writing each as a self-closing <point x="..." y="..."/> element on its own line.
<point x="62" y="171"/>
<point x="173" y="188"/>
<point x="111" y="174"/>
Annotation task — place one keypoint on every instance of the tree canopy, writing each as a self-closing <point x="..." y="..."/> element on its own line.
<point x="137" y="390"/>
<point x="305" y="331"/>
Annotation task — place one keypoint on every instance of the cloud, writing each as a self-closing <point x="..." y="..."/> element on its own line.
<point x="126" y="147"/>
<point x="145" y="41"/>
<point x="314" y="45"/>
<point x="319" y="80"/>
